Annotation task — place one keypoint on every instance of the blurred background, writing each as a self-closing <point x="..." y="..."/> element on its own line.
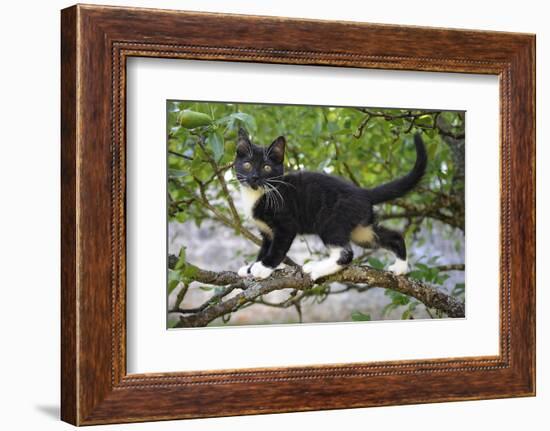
<point x="367" y="146"/>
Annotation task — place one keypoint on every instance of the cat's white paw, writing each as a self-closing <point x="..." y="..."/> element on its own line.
<point x="324" y="271"/>
<point x="258" y="270"/>
<point x="321" y="268"/>
<point x="399" y="267"/>
<point x="243" y="271"/>
<point x="308" y="267"/>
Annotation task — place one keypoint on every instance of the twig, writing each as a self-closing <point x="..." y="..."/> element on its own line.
<point x="183" y="156"/>
<point x="451" y="267"/>
<point x="181" y="295"/>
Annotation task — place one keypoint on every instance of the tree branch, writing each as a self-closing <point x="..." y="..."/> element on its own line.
<point x="452" y="267"/>
<point x="294" y="278"/>
<point x="183" y="156"/>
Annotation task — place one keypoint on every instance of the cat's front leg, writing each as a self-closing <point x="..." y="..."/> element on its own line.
<point x="280" y="244"/>
<point x="259" y="270"/>
<point x="245" y="271"/>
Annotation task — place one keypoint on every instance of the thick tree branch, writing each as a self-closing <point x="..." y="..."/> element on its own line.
<point x="293" y="278"/>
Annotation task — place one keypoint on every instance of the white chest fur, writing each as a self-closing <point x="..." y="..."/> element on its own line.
<point x="249" y="198"/>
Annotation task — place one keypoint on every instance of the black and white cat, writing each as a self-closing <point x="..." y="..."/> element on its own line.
<point x="339" y="212"/>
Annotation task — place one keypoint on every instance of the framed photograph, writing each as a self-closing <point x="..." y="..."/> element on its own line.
<point x="266" y="208"/>
<point x="222" y="185"/>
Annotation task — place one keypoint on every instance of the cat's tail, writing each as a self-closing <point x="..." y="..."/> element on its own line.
<point x="399" y="187"/>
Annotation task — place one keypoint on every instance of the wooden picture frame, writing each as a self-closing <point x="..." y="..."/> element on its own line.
<point x="95" y="43"/>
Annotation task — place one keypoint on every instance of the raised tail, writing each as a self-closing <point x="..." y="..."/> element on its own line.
<point x="399" y="187"/>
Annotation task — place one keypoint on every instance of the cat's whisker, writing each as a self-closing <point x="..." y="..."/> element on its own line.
<point x="276" y="205"/>
<point x="282" y="182"/>
<point x="276" y="195"/>
<point x="268" y="197"/>
<point x="280" y="196"/>
<point x="275" y="190"/>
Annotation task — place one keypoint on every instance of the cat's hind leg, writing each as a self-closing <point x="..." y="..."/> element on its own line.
<point x="394" y="242"/>
<point x="339" y="257"/>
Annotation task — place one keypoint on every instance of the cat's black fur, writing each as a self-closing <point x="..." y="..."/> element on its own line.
<point x="316" y="203"/>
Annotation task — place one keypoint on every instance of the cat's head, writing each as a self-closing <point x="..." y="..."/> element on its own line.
<point x="256" y="165"/>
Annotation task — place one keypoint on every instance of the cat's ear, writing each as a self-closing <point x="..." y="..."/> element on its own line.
<point x="244" y="146"/>
<point x="276" y="150"/>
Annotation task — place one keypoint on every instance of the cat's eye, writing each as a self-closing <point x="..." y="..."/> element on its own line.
<point x="247" y="166"/>
<point x="267" y="168"/>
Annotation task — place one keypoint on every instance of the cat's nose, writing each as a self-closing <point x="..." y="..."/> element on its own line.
<point x="253" y="180"/>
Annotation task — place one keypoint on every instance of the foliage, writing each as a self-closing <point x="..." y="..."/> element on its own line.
<point x="368" y="146"/>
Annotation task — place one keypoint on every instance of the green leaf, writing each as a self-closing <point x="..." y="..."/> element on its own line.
<point x="173" y="280"/>
<point x="400" y="299"/>
<point x="389" y="307"/>
<point x="399" y="122"/>
<point x="189" y="273"/>
<point x="430" y="132"/>
<point x="216" y="143"/>
<point x="247" y="119"/>
<point x="440" y="279"/>
<point x="173" y="320"/>
<point x="317" y="128"/>
<point x="173" y="107"/>
<point x="416" y="275"/>
<point x="176" y="173"/>
<point x="332" y="127"/>
<point x="424" y="121"/>
<point x="375" y="263"/>
<point x="459" y="289"/>
<point x="181" y="217"/>
<point x="357" y="316"/>
<point x="181" y="263"/>
<point x="342" y="132"/>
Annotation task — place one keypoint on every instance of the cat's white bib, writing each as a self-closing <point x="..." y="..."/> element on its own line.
<point x="249" y="198"/>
